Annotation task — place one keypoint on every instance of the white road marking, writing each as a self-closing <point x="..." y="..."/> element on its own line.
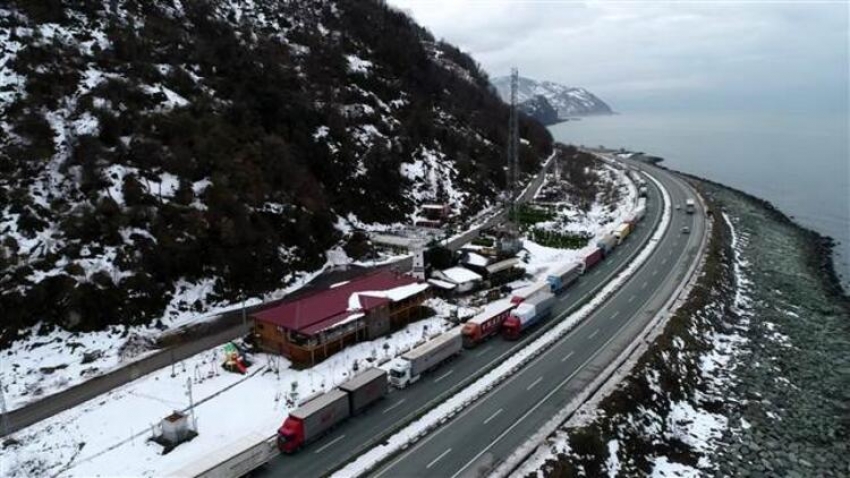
<point x="655" y="272"/>
<point x="664" y="261"/>
<point x="435" y="460"/>
<point x="391" y="407"/>
<point x="534" y="383"/>
<point x="483" y="351"/>
<point x="492" y="416"/>
<point x="593" y="334"/>
<point x="443" y="376"/>
<point x="631" y="299"/>
<point x="567" y="357"/>
<point x="616" y="313"/>
<point x="643" y="286"/>
<point x="329" y="444"/>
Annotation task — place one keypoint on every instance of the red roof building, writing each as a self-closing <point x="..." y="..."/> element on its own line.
<point x="312" y="327"/>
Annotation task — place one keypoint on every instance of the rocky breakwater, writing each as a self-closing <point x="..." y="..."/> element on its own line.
<point x="790" y="405"/>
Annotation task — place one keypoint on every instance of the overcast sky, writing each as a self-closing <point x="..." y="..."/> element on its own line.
<point x="641" y="55"/>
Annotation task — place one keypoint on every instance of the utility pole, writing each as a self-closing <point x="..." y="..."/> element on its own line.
<point x="191" y="403"/>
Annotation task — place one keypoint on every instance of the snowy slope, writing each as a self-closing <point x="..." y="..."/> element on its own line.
<point x="568" y="101"/>
<point x="158" y="157"/>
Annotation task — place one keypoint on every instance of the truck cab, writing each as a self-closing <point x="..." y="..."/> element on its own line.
<point x="290" y="436"/>
<point x="400" y="373"/>
<point x="511" y="328"/>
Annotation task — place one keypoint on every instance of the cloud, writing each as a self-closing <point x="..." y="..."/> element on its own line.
<point x="631" y="52"/>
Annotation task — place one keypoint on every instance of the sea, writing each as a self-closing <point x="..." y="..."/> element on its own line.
<point x="798" y="162"/>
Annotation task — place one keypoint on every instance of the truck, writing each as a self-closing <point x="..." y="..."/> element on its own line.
<point x="528" y="292"/>
<point x="408" y="368"/>
<point x="607" y="243"/>
<point x="486" y="323"/>
<point x="365" y="389"/>
<point x="621" y="232"/>
<point x="316" y="417"/>
<point x="527" y="314"/>
<point x="233" y="459"/>
<point x="690" y="206"/>
<point x="591" y="259"/>
<point x="312" y="420"/>
<point x="563" y="277"/>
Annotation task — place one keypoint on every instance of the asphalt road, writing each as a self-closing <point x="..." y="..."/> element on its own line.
<point x="355" y="435"/>
<point x="476" y="441"/>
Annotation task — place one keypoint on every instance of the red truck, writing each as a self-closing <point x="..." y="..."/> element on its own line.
<point x="316" y="417"/>
<point x="527" y="314"/>
<point x="485" y="324"/>
<point x="591" y="260"/>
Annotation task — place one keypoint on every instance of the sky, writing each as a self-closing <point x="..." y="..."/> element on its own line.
<point x="657" y="56"/>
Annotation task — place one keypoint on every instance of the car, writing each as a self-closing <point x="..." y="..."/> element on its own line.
<point x="686" y="230"/>
<point x="678" y="206"/>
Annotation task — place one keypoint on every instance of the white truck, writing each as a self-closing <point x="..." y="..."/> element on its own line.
<point x="690" y="206"/>
<point x="409" y="367"/>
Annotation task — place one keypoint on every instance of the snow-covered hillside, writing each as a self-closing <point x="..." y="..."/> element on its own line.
<point x="152" y="149"/>
<point x="568" y="101"/>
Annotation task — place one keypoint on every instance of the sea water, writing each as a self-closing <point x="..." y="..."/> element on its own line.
<point x="800" y="163"/>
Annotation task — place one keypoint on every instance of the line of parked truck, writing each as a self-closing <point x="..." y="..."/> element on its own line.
<point x="527" y="307"/>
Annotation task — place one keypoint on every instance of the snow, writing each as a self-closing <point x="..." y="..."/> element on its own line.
<point x="612" y="464"/>
<point x="664" y="468"/>
<point x="395" y="294"/>
<point x="474" y="259"/>
<point x="696" y="428"/>
<point x="460" y="275"/>
<point x="358" y="65"/>
<point x="107" y="436"/>
<point x="432" y="173"/>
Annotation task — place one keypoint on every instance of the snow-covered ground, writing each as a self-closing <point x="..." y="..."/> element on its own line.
<point x="107" y="436"/>
<point x="86" y="441"/>
<point x="42" y="365"/>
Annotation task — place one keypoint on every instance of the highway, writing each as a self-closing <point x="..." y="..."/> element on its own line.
<point x="476" y="441"/>
<point x="462" y="439"/>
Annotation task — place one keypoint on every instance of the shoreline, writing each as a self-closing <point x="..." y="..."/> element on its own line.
<point x="821" y="250"/>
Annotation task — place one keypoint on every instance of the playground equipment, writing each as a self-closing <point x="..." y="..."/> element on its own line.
<point x="235" y="359"/>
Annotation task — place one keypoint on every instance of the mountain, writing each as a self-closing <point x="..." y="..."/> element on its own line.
<point x="568" y="101"/>
<point x="539" y="108"/>
<point x="159" y="156"/>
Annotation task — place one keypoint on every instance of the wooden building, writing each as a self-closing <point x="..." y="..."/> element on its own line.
<point x="311" y="328"/>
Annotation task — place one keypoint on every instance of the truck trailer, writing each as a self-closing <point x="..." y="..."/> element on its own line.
<point x="563" y="277"/>
<point x="607" y="243"/>
<point x="408" y="368"/>
<point x="591" y="259"/>
<point x="526" y="293"/>
<point x="485" y="324"/>
<point x="313" y="419"/>
<point x="622" y="232"/>
<point x="365" y="389"/>
<point x="690" y="206"/>
<point x="527" y="314"/>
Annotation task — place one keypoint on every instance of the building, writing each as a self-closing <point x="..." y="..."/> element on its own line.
<point x="311" y="328"/>
<point x="458" y="279"/>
